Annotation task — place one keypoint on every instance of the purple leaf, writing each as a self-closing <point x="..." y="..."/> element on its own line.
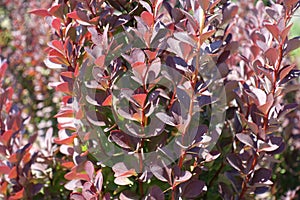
<point x="89" y="168"/>
<point x="245" y="138"/>
<point x="121" y="170"/>
<point x="272" y="55"/>
<point x="155" y="193"/>
<point x="293" y="74"/>
<point x="193" y="189"/>
<point x="229" y="12"/>
<point x="123" y="140"/>
<point x="128" y="195"/>
<point x="159" y="173"/>
<point x="166" y="118"/>
<point x="235" y="161"/>
<point x="88" y="191"/>
<point x="76" y="196"/>
<point x="99" y="180"/>
<point x="261" y="175"/>
<point x="292" y="44"/>
<point x="273" y="29"/>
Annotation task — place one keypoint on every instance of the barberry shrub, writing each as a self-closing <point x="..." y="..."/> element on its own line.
<point x="173" y="99"/>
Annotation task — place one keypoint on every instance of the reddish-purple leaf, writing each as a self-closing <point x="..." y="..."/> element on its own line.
<point x="40" y="12"/>
<point x="273" y="29"/>
<point x="155" y="193"/>
<point x="292" y="44"/>
<point x="193" y="189"/>
<point x="235" y="161"/>
<point x="76" y="196"/>
<point x="285" y="71"/>
<point x="272" y="55"/>
<point x="128" y="195"/>
<point x="100" y="61"/>
<point x="185" y="176"/>
<point x="99" y="180"/>
<point x="245" y="138"/>
<point x="89" y="169"/>
<point x="121" y="170"/>
<point x="261" y="175"/>
<point x="159" y="173"/>
<point x="4" y="169"/>
<point x="267" y="106"/>
<point x="17" y="195"/>
<point x="229" y="12"/>
<point x="286" y="31"/>
<point x="147" y="18"/>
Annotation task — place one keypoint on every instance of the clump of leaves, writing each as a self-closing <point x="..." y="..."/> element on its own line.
<point x="138" y="77"/>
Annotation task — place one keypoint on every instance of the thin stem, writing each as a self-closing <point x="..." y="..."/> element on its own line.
<point x="141" y="166"/>
<point x="245" y="182"/>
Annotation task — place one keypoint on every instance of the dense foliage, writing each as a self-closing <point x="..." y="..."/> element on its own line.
<point x="157" y="100"/>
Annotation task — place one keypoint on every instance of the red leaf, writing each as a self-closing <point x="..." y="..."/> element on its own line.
<point x="73" y="15"/>
<point x="68" y="165"/>
<point x="206" y="35"/>
<point x="273" y="30"/>
<point x="3" y="69"/>
<point x="4" y="169"/>
<point x="56" y="24"/>
<point x="13" y="173"/>
<point x="272" y="55"/>
<point x="3" y="188"/>
<point x="53" y="10"/>
<point x="73" y="175"/>
<point x="40" y="12"/>
<point x="107" y="101"/>
<point x="63" y="87"/>
<point x="18" y="195"/>
<point x="151" y="54"/>
<point x="26" y="158"/>
<point x="285" y="71"/>
<point x="139" y="67"/>
<point x="140" y="99"/>
<point x="290" y="3"/>
<point x="79" y="15"/>
<point x="58" y="60"/>
<point x="204" y="4"/>
<point x="147" y="18"/>
<point x="255" y="50"/>
<point x="68" y="140"/>
<point x="13" y="158"/>
<point x="66" y="99"/>
<point x="100" y="61"/>
<point x="58" y="45"/>
<point x="67" y="74"/>
<point x="5" y="138"/>
<point x="56" y="53"/>
<point x="65" y="113"/>
<point x="286" y="31"/>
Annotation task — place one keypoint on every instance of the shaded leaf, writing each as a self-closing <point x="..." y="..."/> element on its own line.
<point x="235" y="161"/>
<point x="261" y="175"/>
<point x="245" y="138"/>
<point x="193" y="189"/>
